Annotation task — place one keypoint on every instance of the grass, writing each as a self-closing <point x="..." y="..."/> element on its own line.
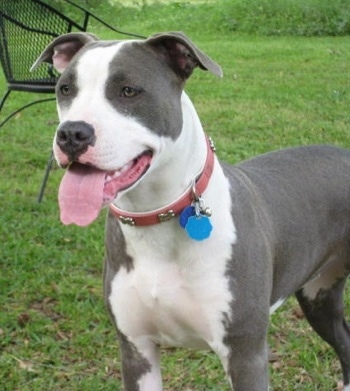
<point x="292" y="17"/>
<point x="54" y="331"/>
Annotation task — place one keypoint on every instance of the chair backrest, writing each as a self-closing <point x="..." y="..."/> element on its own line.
<point x="26" y="28"/>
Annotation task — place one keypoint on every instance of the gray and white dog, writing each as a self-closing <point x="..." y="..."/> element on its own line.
<point x="198" y="253"/>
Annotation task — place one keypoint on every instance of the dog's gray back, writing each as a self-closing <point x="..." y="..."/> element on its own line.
<point x="298" y="200"/>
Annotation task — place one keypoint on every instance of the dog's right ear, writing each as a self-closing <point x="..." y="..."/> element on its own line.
<point x="182" y="54"/>
<point x="62" y="49"/>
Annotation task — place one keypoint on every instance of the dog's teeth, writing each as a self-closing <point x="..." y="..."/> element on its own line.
<point x="110" y="177"/>
<point x="126" y="167"/>
<point x="116" y="174"/>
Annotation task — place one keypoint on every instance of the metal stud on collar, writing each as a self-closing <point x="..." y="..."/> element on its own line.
<point x="127" y="220"/>
<point x="211" y="144"/>
<point x="166" y="216"/>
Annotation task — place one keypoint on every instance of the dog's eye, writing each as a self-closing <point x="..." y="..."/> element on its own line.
<point x="129" y="92"/>
<point x="65" y="90"/>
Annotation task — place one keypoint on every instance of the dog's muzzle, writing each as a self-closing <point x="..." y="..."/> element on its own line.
<point x="74" y="138"/>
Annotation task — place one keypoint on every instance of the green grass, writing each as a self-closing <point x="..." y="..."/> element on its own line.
<point x="291" y="17"/>
<point x="54" y="331"/>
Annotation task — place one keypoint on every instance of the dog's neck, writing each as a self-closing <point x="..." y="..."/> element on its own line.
<point x="159" y="188"/>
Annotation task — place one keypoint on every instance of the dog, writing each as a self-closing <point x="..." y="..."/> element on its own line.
<point x="198" y="252"/>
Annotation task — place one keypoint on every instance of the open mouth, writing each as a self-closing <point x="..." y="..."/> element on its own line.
<point x="84" y="189"/>
<point x="126" y="176"/>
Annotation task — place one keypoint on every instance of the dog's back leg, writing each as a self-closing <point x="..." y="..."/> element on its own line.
<point x="325" y="312"/>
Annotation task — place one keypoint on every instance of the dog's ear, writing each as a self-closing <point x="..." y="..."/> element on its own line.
<point x="62" y="49"/>
<point x="182" y="54"/>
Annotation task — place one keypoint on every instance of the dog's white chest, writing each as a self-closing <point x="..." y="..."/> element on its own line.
<point x="176" y="300"/>
<point x="162" y="306"/>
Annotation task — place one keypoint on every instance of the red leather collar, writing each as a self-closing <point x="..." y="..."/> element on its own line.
<point x="171" y="210"/>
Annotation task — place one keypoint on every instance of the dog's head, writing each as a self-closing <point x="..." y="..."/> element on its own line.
<point x="117" y="103"/>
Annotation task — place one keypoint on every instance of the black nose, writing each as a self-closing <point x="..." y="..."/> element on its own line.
<point x="74" y="138"/>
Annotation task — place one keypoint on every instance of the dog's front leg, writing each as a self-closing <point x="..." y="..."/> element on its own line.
<point x="247" y="364"/>
<point x="140" y="365"/>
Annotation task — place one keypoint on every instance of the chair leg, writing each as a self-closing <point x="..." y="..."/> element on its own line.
<point x="22" y="108"/>
<point x="7" y="93"/>
<point x="46" y="177"/>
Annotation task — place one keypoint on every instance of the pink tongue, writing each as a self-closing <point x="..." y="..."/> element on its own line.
<point x="84" y="189"/>
<point x="81" y="195"/>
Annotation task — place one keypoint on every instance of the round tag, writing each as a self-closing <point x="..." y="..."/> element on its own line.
<point x="198" y="227"/>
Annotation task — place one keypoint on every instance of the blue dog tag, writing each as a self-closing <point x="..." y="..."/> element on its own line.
<point x="186" y="214"/>
<point x="198" y="227"/>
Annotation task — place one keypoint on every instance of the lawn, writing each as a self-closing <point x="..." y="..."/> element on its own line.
<point x="277" y="91"/>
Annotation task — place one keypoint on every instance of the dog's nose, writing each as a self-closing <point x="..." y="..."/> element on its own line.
<point x="74" y="138"/>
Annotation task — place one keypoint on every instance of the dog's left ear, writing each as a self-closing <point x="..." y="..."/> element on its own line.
<point x="62" y="49"/>
<point x="182" y="54"/>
